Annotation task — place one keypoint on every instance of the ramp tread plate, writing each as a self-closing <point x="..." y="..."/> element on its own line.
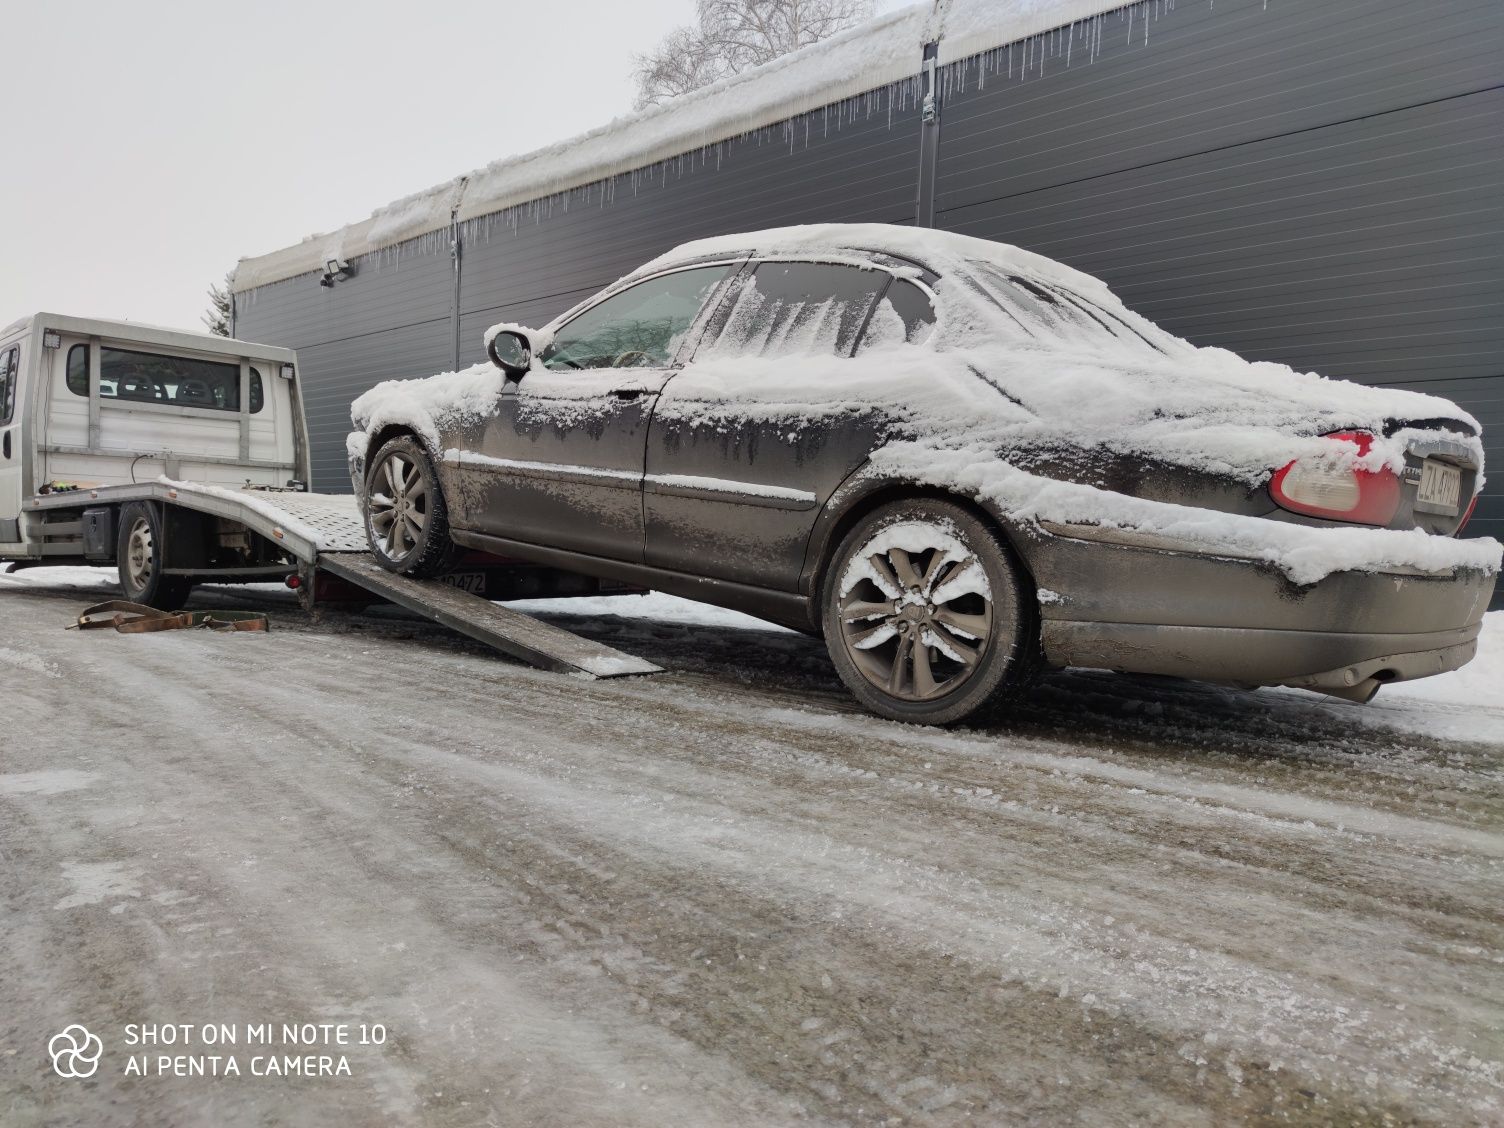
<point x="512" y="632"/>
<point x="335" y="518"/>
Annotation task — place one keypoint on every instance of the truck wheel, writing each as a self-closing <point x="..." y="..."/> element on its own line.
<point x="139" y="559"/>
<point x="925" y="616"/>
<point x="407" y="522"/>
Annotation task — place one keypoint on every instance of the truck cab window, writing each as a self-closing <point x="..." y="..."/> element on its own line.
<point x="156" y="378"/>
<point x="78" y="370"/>
<point x="9" y="368"/>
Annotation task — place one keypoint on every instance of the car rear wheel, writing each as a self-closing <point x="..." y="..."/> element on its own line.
<point x="140" y="560"/>
<point x="925" y="615"/>
<point x="407" y="522"/>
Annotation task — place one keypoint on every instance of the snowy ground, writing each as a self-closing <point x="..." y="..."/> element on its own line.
<point x="722" y="895"/>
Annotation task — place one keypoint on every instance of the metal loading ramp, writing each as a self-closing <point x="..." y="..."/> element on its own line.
<point x="327" y="531"/>
<point x="522" y="636"/>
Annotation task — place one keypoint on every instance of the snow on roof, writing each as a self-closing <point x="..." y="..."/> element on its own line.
<point x="882" y="53"/>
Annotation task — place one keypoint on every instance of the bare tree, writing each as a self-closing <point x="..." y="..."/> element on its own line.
<point x="730" y="36"/>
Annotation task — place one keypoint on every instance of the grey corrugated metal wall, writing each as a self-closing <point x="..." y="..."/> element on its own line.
<point x="1317" y="184"/>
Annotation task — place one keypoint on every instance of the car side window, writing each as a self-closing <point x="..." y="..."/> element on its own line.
<point x="641" y="327"/>
<point x="904" y="315"/>
<point x="9" y="366"/>
<point x="800" y="309"/>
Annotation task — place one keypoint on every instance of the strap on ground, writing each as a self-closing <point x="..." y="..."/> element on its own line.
<point x="521" y="636"/>
<point x="137" y="618"/>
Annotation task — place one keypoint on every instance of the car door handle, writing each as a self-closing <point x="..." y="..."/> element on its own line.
<point x="628" y="393"/>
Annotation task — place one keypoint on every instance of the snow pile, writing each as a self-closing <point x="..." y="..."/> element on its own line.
<point x="877" y="63"/>
<point x="1477" y="683"/>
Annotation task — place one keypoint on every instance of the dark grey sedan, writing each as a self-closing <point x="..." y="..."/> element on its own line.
<point x="958" y="461"/>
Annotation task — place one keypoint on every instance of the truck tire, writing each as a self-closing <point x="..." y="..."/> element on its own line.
<point x="139" y="548"/>
<point x="406" y="518"/>
<point x="925" y="615"/>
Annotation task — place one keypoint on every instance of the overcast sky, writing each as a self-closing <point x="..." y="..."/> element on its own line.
<point x="152" y="143"/>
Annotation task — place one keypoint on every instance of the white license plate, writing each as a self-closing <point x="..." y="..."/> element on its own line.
<point x="1440" y="485"/>
<point x="473" y="582"/>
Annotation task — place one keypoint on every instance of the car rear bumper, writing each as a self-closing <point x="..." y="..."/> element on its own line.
<point x="1187" y="614"/>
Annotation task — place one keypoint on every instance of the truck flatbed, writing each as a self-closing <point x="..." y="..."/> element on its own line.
<point x="326" y="532"/>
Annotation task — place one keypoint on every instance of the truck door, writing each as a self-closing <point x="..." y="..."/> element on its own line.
<point x="12" y="444"/>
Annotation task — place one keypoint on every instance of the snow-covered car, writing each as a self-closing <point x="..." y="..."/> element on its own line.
<point x="959" y="461"/>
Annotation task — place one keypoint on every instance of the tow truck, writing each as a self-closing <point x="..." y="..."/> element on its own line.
<point x="183" y="458"/>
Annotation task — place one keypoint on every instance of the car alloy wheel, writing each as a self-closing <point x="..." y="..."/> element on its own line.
<point x="924" y="614"/>
<point x="407" y="520"/>
<point x="398" y="505"/>
<point x="916" y="611"/>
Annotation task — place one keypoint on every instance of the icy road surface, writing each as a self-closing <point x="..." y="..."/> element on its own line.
<point x="721" y="896"/>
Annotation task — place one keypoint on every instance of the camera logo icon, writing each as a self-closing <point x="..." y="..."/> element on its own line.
<point x="75" y="1052"/>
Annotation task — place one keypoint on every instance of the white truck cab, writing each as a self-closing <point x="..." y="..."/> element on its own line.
<point x="87" y="404"/>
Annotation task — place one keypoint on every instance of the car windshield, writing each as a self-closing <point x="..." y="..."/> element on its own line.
<point x="1047" y="309"/>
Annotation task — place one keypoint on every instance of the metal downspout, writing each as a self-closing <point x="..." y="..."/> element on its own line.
<point x="929" y="139"/>
<point x="455" y="254"/>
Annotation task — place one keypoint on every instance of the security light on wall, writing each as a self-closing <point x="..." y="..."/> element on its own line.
<point x="334" y="270"/>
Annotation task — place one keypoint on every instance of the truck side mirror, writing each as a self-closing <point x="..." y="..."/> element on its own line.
<point x="512" y="352"/>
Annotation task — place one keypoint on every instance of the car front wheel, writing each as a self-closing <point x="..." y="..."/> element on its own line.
<point x="925" y="615"/>
<point x="407" y="522"/>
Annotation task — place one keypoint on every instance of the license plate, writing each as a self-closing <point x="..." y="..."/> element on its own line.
<point x="473" y="582"/>
<point x="1440" y="486"/>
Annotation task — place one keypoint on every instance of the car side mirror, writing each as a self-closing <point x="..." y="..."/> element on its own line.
<point x="511" y="350"/>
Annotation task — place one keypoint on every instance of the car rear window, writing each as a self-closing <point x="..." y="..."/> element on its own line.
<point x="800" y="309"/>
<point x="1046" y="309"/>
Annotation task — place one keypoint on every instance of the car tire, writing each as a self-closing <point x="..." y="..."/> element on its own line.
<point x="139" y="559"/>
<point x="926" y="615"/>
<point x="406" y="518"/>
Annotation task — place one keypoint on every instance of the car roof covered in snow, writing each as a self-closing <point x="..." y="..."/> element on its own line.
<point x="940" y="251"/>
<point x="876" y="55"/>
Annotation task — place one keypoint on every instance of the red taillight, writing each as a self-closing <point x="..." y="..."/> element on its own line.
<point x="1318" y="488"/>
<point x="294" y="581"/>
<point x="1467" y="516"/>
